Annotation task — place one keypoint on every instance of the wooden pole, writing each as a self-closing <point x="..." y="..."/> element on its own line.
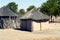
<point x="9" y="22"/>
<point x="40" y="27"/>
<point x="15" y="22"/>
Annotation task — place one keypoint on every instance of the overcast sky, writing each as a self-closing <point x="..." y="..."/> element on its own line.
<point x="23" y="4"/>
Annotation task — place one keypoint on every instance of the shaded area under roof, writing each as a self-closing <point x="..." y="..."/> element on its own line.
<point x="34" y="14"/>
<point x="5" y="11"/>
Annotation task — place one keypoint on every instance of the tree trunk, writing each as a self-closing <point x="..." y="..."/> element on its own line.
<point x="51" y="18"/>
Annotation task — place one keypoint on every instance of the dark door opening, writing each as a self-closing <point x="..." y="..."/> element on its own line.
<point x="1" y="24"/>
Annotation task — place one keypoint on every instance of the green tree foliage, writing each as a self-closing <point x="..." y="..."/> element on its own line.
<point x="13" y="6"/>
<point x="30" y="8"/>
<point x="22" y="11"/>
<point x="51" y="7"/>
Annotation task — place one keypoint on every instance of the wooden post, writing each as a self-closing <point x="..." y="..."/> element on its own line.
<point x="15" y="22"/>
<point x="9" y="22"/>
<point x="40" y="27"/>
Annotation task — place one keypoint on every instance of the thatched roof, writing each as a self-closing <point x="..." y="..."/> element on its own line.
<point x="5" y="11"/>
<point x="35" y="15"/>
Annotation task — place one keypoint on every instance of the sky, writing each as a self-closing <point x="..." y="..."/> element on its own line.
<point x="23" y="4"/>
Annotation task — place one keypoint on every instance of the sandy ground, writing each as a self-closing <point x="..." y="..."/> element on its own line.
<point x="10" y="34"/>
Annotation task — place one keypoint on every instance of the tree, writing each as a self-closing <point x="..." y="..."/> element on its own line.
<point x="51" y="7"/>
<point x="22" y="11"/>
<point x="30" y="8"/>
<point x="13" y="6"/>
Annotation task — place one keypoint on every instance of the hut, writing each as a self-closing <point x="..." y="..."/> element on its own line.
<point x="31" y="21"/>
<point x="7" y="18"/>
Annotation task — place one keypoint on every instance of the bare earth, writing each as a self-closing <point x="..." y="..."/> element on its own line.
<point x="10" y="34"/>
